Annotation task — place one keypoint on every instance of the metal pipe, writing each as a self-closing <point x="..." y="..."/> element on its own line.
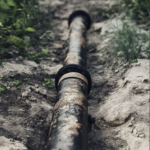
<point x="68" y="130"/>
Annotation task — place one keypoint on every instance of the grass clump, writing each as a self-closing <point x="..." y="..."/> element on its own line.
<point x="129" y="41"/>
<point x="48" y="82"/>
<point x="22" y="22"/>
<point x="138" y="10"/>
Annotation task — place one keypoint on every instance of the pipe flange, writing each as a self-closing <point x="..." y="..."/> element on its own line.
<point x="73" y="68"/>
<point x="79" y="13"/>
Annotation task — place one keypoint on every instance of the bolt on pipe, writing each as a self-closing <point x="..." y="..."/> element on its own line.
<point x="68" y="129"/>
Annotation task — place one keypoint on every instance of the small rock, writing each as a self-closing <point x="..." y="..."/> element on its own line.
<point x="57" y="46"/>
<point x="41" y="90"/>
<point x="92" y="50"/>
<point x="135" y="133"/>
<point x="13" y="62"/>
<point x="16" y="59"/>
<point x="20" y="57"/>
<point x="132" y="118"/>
<point x="64" y="36"/>
<point x="8" y="88"/>
<point x="100" y="72"/>
<point x="116" y="71"/>
<point x="141" y="135"/>
<point x="126" y="65"/>
<point x="55" y="60"/>
<point x="130" y="124"/>
<point x="145" y="80"/>
<point x="119" y="54"/>
<point x="98" y="26"/>
<point x="36" y="85"/>
<point x="24" y="94"/>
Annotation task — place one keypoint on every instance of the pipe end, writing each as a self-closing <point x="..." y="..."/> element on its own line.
<point x="83" y="13"/>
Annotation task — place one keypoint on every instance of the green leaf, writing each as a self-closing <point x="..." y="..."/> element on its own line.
<point x="1" y="78"/>
<point x="4" y="15"/>
<point x="1" y="37"/>
<point x="134" y="60"/>
<point x="29" y="29"/>
<point x="4" y="5"/>
<point x="1" y="25"/>
<point x="15" y="40"/>
<point x="46" y="51"/>
<point x="16" y="82"/>
<point x="119" y="62"/>
<point x="26" y="40"/>
<point x="50" y="86"/>
<point x="46" y="79"/>
<point x="2" y="87"/>
<point x="11" y="3"/>
<point x="26" y="79"/>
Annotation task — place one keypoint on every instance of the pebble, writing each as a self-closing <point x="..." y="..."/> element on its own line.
<point x="130" y="124"/>
<point x="36" y="85"/>
<point x="119" y="54"/>
<point x="55" y="60"/>
<point x="24" y="94"/>
<point x="116" y="71"/>
<point x="92" y="50"/>
<point x="141" y="136"/>
<point x="132" y="118"/>
<point x="126" y="65"/>
<point x="20" y="57"/>
<point x="100" y="72"/>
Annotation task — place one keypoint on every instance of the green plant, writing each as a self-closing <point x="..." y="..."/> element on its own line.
<point x="26" y="79"/>
<point x="123" y="78"/>
<point x="134" y="60"/>
<point x="10" y="83"/>
<point x="129" y="41"/>
<point x="48" y="82"/>
<point x="109" y="11"/>
<point x="2" y="87"/>
<point x="1" y="78"/>
<point x="11" y="149"/>
<point x="119" y="62"/>
<point x="19" y="21"/>
<point x="138" y="10"/>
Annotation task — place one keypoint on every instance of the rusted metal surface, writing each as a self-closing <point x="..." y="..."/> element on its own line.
<point x="69" y="125"/>
<point x="68" y="130"/>
<point x="76" y="52"/>
<point x="73" y="75"/>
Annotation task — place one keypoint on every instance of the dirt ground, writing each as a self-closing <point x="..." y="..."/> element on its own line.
<point x="118" y="109"/>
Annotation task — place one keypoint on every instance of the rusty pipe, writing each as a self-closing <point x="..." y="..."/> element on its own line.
<point x="68" y="130"/>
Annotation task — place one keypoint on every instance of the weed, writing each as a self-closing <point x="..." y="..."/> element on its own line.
<point x="2" y="87"/>
<point x="19" y="21"/>
<point x="138" y="10"/>
<point x="48" y="82"/>
<point x="26" y="79"/>
<point x="119" y="62"/>
<point x="1" y="78"/>
<point x="134" y="60"/>
<point x="10" y="83"/>
<point x="129" y="41"/>
<point x="11" y="149"/>
<point x="17" y="83"/>
<point x="123" y="78"/>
